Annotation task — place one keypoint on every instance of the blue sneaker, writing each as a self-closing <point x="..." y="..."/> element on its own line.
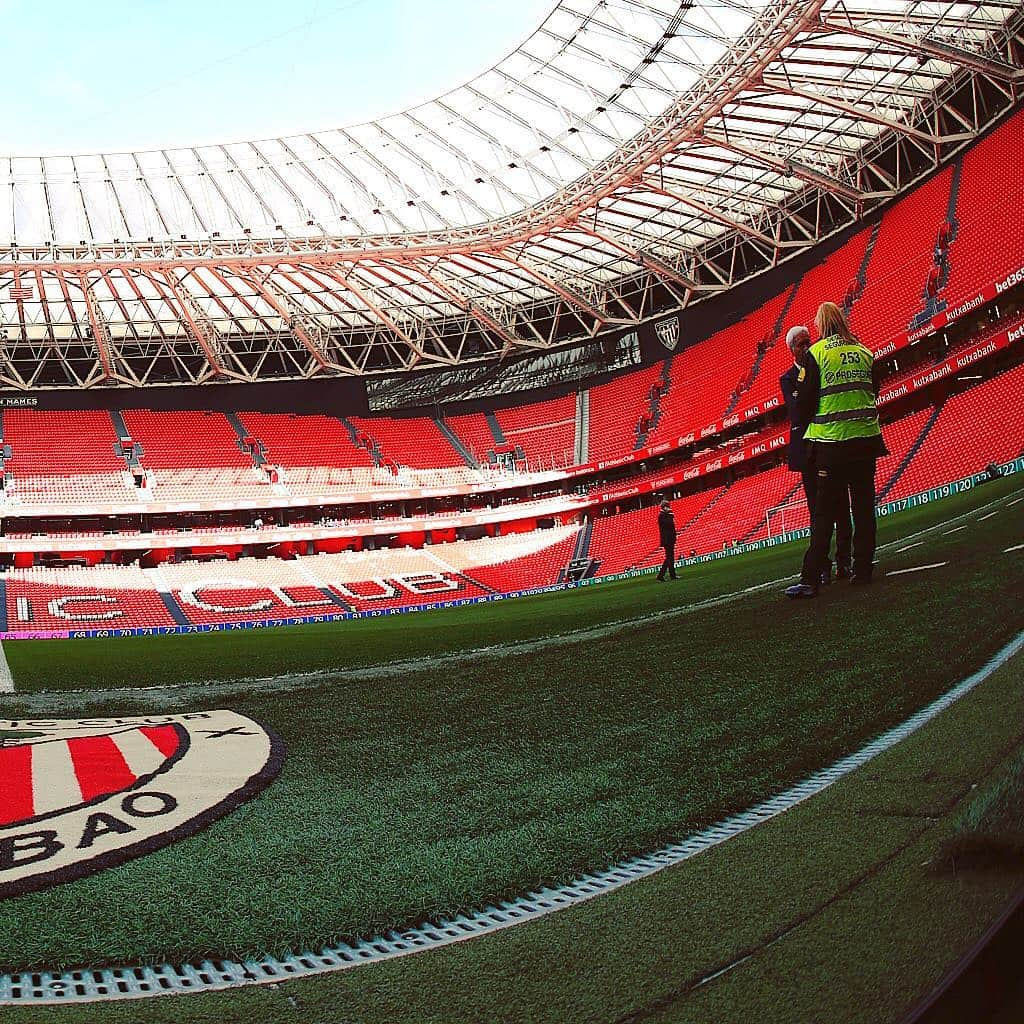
<point x="799" y="590"/>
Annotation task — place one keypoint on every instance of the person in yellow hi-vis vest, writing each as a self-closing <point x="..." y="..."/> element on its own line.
<point x="837" y="399"/>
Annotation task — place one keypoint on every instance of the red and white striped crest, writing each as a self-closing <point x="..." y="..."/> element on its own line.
<point x="81" y="795"/>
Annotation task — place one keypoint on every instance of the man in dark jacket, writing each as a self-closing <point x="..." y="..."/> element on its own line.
<point x="798" y="341"/>
<point x="667" y="539"/>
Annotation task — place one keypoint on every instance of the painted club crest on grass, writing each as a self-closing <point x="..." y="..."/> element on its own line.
<point x="81" y="795"/>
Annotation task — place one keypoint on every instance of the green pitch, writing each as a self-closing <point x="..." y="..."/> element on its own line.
<point x="589" y="725"/>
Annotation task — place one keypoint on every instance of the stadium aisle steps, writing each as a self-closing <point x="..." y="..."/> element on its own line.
<point x="163" y="592"/>
<point x="581" y="445"/>
<point x="454" y="441"/>
<point x="912" y="451"/>
<point x="496" y="431"/>
<point x="990" y="212"/>
<point x="764" y="347"/>
<point x="856" y="288"/>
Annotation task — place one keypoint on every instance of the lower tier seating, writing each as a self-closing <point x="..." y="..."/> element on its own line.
<point x="928" y="447"/>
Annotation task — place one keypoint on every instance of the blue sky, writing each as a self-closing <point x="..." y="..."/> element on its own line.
<point x="114" y="74"/>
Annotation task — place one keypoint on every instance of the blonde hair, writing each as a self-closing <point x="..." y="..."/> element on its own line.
<point x="831" y="321"/>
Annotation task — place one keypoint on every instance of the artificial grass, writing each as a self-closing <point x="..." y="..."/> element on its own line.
<point x="416" y="796"/>
<point x="38" y="665"/>
<point x="832" y="911"/>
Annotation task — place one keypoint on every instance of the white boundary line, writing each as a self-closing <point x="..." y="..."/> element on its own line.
<point x="6" y="679"/>
<point x="139" y="982"/>
<point x="1016" y="547"/>
<point x="917" y="568"/>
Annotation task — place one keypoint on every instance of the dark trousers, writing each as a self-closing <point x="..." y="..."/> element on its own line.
<point x="844" y="531"/>
<point x="669" y="565"/>
<point x="853" y="481"/>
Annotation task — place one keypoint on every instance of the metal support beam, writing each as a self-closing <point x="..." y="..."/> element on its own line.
<point x="98" y="324"/>
<point x="192" y="317"/>
<point x="929" y="48"/>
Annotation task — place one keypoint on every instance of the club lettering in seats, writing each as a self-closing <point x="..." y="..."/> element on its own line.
<point x="192" y="596"/>
<point x="58" y="608"/>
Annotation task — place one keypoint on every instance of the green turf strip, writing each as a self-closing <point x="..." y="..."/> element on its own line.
<point x="839" y="910"/>
<point x="147" y="661"/>
<point x="412" y="796"/>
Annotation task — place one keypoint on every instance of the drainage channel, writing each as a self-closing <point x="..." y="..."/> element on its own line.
<point x="134" y="982"/>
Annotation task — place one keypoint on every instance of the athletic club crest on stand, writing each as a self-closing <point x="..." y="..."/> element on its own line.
<point x="81" y="795"/>
<point x="668" y="333"/>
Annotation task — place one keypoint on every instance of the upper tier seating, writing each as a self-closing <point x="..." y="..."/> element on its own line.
<point x="546" y="432"/>
<point x="707" y="375"/>
<point x="308" y="440"/>
<point x="474" y="433"/>
<point x="64" y="458"/>
<point x="193" y="456"/>
<point x="616" y="408"/>
<point x="830" y="280"/>
<point x="902" y="258"/>
<point x="989" y="240"/>
<point x="415" y="442"/>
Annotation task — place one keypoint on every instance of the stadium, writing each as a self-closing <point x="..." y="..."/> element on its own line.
<point x="335" y="679"/>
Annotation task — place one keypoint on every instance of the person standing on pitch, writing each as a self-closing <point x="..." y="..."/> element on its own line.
<point x="837" y="400"/>
<point x="798" y="341"/>
<point x="667" y="539"/>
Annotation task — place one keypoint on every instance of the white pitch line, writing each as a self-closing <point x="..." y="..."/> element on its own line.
<point x="1015" y="500"/>
<point x="988" y="515"/>
<point x="956" y="529"/>
<point x="1016" y="547"/>
<point x="6" y="679"/>
<point x="916" y="544"/>
<point x="917" y="568"/>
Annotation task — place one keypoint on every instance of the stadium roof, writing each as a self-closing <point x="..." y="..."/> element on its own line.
<point x="629" y="154"/>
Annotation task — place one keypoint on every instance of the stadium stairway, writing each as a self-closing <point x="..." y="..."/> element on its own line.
<point x="911" y="453"/>
<point x="454" y="441"/>
<point x="763" y="350"/>
<point x="163" y="590"/>
<point x="653" y="415"/>
<point x="130" y="453"/>
<point x="255" y="450"/>
<point x="367" y="443"/>
<point x="580" y="565"/>
<point x="581" y="448"/>
<point x="496" y="432"/>
<point x="856" y="289"/>
<point x="939" y="274"/>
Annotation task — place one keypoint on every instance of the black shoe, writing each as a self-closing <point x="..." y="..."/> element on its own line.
<point x="860" y="580"/>
<point x="660" y="579"/>
<point x="826" y="579"/>
<point x="843" y="572"/>
<point x="800" y="590"/>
